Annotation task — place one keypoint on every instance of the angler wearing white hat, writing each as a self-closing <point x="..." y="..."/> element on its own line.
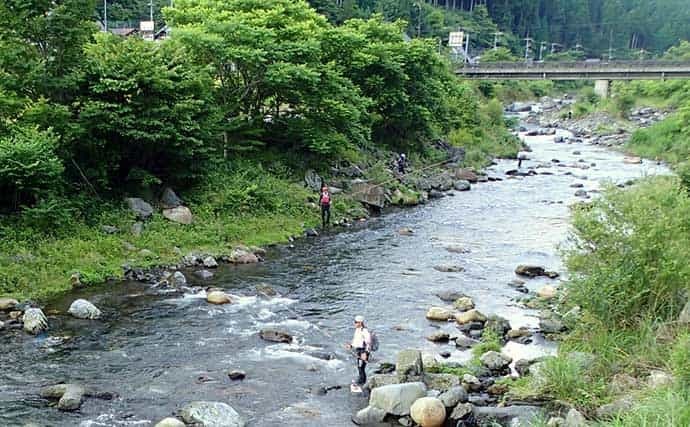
<point x="361" y="346"/>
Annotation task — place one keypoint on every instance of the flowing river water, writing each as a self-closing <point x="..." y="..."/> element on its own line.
<point x="158" y="351"/>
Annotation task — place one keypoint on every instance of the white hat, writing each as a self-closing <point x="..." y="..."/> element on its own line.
<point x="359" y="319"/>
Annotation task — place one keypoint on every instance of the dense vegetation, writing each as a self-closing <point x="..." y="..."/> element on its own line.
<point x="572" y="28"/>
<point x="230" y="112"/>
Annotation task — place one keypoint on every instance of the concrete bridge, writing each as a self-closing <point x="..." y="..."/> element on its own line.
<point x="600" y="71"/>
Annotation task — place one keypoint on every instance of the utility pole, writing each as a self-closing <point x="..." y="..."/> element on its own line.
<point x="105" y="15"/>
<point x="542" y="46"/>
<point x="497" y="34"/>
<point x="611" y="44"/>
<point x="467" y="47"/>
<point x="151" y="10"/>
<point x="528" y="45"/>
<point x="419" y="20"/>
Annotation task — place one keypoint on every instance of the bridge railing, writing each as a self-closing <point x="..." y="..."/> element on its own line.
<point x="547" y="65"/>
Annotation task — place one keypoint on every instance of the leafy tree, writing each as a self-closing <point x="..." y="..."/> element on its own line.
<point x="145" y="106"/>
<point x="42" y="42"/>
<point x="267" y="58"/>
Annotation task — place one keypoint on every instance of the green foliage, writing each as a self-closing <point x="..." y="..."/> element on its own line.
<point x="29" y="167"/>
<point x="500" y="54"/>
<point x="680" y="360"/>
<point x="267" y="59"/>
<point x="564" y="379"/>
<point x="662" y="407"/>
<point x="490" y="341"/>
<point x="145" y="106"/>
<point x="667" y="140"/>
<point x="627" y="260"/>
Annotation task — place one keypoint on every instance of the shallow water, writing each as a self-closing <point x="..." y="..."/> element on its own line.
<point x="159" y="351"/>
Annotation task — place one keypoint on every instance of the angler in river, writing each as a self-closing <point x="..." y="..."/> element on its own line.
<point x="361" y="346"/>
<point x="325" y="203"/>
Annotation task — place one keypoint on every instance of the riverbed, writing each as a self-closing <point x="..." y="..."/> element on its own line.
<point x="158" y="351"/>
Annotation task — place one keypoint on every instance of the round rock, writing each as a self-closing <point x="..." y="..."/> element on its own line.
<point x="428" y="412"/>
<point x="218" y="297"/>
<point x="83" y="309"/>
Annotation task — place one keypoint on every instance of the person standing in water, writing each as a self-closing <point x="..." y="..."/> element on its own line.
<point x="325" y="203"/>
<point x="361" y="347"/>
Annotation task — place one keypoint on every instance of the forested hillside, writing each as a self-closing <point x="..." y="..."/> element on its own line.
<point x="629" y="27"/>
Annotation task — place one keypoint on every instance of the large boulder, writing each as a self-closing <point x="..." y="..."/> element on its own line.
<point x="141" y="208"/>
<point x="551" y="325"/>
<point x="525" y="414"/>
<point x="218" y="297"/>
<point x="409" y="364"/>
<point x="210" y="262"/>
<point x="464" y="304"/>
<point x="616" y="408"/>
<point x="372" y="195"/>
<point x="461" y="411"/>
<point x="495" y="361"/>
<point x="439" y="336"/>
<point x="8" y="304"/>
<point x="180" y="215"/>
<point x="466" y="175"/>
<point x="83" y="309"/>
<point x="441" y="382"/>
<point x="439" y="314"/>
<point x="313" y="180"/>
<point x="532" y="271"/>
<point x="428" y="412"/>
<point x="470" y="316"/>
<point x="178" y="279"/>
<point x="684" y="317"/>
<point x="464" y="342"/>
<point x="169" y="199"/>
<point x="380" y="380"/>
<point x="497" y="324"/>
<point x="170" y="422"/>
<point x="35" y="321"/>
<point x="453" y="396"/>
<point x="211" y="414"/>
<point x="70" y="395"/>
<point x="274" y="335"/>
<point x="547" y="292"/>
<point x="397" y="399"/>
<point x="574" y="419"/>
<point x="450" y="296"/>
<point x="243" y="256"/>
<point x="368" y="416"/>
<point x="462" y="185"/>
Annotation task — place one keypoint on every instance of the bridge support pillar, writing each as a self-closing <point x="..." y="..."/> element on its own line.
<point x="601" y="88"/>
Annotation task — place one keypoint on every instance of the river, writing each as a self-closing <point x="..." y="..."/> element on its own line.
<point x="160" y="351"/>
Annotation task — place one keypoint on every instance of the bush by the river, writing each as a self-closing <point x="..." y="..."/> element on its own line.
<point x="629" y="275"/>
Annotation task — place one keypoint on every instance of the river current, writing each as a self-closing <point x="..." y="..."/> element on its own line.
<point x="158" y="351"/>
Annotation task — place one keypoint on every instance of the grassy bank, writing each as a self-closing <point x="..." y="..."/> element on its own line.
<point x="628" y="284"/>
<point x="241" y="203"/>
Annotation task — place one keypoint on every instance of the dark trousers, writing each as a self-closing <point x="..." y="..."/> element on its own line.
<point x="325" y="214"/>
<point x="361" y="366"/>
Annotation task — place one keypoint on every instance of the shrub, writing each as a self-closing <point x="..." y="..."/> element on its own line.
<point x="628" y="260"/>
<point x="680" y="360"/>
<point x="29" y="167"/>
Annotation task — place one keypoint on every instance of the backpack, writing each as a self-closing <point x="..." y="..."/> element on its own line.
<point x="374" y="341"/>
<point x="325" y="198"/>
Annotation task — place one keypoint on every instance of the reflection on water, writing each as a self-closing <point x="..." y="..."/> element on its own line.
<point x="158" y="352"/>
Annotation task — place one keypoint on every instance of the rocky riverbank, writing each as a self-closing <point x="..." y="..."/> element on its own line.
<point x="481" y="390"/>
